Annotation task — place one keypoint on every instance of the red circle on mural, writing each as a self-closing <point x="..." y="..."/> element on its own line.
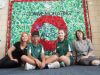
<point x="56" y="21"/>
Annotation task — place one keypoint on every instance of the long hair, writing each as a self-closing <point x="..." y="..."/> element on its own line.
<point x="22" y="36"/>
<point x="77" y="36"/>
<point x="64" y="32"/>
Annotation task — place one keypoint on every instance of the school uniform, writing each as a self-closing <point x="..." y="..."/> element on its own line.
<point x="63" y="48"/>
<point x="35" y="51"/>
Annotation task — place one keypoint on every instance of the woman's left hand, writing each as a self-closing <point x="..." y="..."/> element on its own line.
<point x="84" y="57"/>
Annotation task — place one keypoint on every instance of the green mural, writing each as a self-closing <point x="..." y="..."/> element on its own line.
<point x="48" y="32"/>
<point x="24" y="14"/>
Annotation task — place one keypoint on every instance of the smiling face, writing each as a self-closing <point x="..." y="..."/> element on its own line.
<point x="24" y="37"/>
<point x="61" y="34"/>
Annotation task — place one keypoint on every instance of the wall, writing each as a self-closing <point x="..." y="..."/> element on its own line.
<point x="94" y="12"/>
<point x="3" y="27"/>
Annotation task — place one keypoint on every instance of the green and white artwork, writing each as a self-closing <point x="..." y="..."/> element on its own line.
<point x="24" y="15"/>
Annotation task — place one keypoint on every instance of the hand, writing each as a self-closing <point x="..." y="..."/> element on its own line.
<point x="15" y="60"/>
<point x="84" y="57"/>
<point x="38" y="63"/>
<point x="42" y="65"/>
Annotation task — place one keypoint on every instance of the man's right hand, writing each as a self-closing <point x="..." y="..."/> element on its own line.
<point x="38" y="63"/>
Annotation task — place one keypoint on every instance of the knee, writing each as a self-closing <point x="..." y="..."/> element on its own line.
<point x="55" y="57"/>
<point x="23" y="57"/>
<point x="62" y="58"/>
<point x="65" y="59"/>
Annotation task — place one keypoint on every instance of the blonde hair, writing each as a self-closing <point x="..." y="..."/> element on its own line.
<point x="22" y="36"/>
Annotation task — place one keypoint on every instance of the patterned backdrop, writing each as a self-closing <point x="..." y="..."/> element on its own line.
<point x="23" y="15"/>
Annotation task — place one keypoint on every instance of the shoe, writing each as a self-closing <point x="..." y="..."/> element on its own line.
<point x="96" y="63"/>
<point x="29" y="66"/>
<point x="46" y="67"/>
<point x="54" y="65"/>
<point x="62" y="64"/>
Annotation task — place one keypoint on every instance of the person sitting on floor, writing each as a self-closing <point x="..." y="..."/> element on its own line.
<point x="84" y="50"/>
<point x="13" y="57"/>
<point x="35" y="51"/>
<point x="63" y="49"/>
<point x="63" y="54"/>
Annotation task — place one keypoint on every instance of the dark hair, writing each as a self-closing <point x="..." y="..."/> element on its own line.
<point x="77" y="36"/>
<point x="35" y="33"/>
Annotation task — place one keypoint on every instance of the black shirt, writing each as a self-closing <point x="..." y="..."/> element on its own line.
<point x="18" y="52"/>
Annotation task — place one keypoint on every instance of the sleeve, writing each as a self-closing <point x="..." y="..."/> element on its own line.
<point x="91" y="48"/>
<point x="42" y="50"/>
<point x="16" y="45"/>
<point x="69" y="45"/>
<point x="74" y="49"/>
<point x="69" y="48"/>
<point x="28" y="49"/>
<point x="57" y="48"/>
<point x="73" y="46"/>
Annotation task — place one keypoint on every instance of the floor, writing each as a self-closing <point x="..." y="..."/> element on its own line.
<point x="72" y="70"/>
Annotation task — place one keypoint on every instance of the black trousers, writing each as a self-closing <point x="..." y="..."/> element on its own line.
<point x="7" y="63"/>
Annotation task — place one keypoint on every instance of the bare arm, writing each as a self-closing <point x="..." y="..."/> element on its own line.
<point x="43" y="57"/>
<point x="10" y="50"/>
<point x="68" y="54"/>
<point x="30" y="56"/>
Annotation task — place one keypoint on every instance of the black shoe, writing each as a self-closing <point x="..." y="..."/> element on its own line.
<point x="46" y="67"/>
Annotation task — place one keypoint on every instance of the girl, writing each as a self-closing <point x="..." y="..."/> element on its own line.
<point x="63" y="52"/>
<point x="13" y="57"/>
<point x="63" y="49"/>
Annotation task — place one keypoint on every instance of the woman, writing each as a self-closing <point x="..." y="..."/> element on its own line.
<point x="84" y="49"/>
<point x="13" y="57"/>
